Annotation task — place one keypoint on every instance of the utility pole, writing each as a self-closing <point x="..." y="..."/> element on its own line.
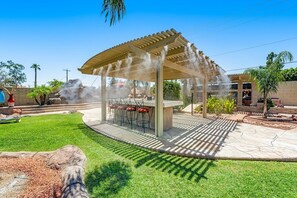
<point x="67" y="70"/>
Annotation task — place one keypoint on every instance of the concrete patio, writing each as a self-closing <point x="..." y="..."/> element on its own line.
<point x="205" y="138"/>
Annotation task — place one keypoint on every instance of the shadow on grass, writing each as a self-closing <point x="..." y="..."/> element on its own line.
<point x="190" y="168"/>
<point x="108" y="179"/>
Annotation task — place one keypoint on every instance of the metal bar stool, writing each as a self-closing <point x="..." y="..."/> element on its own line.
<point x="145" y="115"/>
<point x="112" y="109"/>
<point x="121" y="111"/>
<point x="130" y="111"/>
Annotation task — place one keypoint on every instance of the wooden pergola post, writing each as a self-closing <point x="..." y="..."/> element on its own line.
<point x="239" y="93"/>
<point x="204" y="96"/>
<point x="159" y="101"/>
<point x="103" y="98"/>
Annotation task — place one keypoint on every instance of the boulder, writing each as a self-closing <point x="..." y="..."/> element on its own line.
<point x="66" y="156"/>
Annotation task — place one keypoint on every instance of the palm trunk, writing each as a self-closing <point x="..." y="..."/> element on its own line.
<point x="265" y="106"/>
<point x="37" y="101"/>
<point x="35" y="83"/>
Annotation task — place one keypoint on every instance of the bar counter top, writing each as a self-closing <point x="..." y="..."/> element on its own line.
<point x="151" y="103"/>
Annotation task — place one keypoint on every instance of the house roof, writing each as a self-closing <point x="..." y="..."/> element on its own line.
<point x="237" y="77"/>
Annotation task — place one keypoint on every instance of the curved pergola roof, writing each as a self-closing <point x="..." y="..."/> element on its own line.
<point x="177" y="63"/>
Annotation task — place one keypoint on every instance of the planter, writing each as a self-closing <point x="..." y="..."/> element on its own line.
<point x="260" y="105"/>
<point x="10" y="100"/>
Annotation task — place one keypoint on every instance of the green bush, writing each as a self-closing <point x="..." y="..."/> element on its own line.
<point x="171" y="90"/>
<point x="186" y="100"/>
<point x="40" y="93"/>
<point x="220" y="105"/>
<point x="228" y="105"/>
<point x="269" y="102"/>
<point x="289" y="74"/>
<point x="199" y="109"/>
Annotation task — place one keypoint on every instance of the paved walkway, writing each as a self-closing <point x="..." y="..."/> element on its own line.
<point x="207" y="138"/>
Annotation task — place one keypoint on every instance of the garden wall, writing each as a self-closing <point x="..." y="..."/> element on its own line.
<point x="287" y="92"/>
<point x="20" y="97"/>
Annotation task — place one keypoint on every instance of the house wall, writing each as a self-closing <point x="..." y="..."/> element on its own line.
<point x="287" y="92"/>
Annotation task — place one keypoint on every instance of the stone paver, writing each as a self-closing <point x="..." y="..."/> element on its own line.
<point x="208" y="138"/>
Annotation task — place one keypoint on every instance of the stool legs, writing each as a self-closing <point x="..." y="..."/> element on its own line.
<point x="130" y="117"/>
<point x="143" y="120"/>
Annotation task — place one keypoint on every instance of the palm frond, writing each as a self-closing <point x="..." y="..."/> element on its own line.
<point x="114" y="10"/>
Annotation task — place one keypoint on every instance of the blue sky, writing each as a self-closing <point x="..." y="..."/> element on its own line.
<point x="60" y="34"/>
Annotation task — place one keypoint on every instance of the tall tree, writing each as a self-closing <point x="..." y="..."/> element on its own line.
<point x="35" y="67"/>
<point x="114" y="10"/>
<point x="268" y="77"/>
<point x="13" y="74"/>
<point x="3" y="79"/>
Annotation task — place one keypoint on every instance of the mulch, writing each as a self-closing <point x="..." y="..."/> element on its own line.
<point x="43" y="181"/>
<point x="284" y="123"/>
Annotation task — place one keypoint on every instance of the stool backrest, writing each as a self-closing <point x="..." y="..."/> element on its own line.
<point x="139" y="103"/>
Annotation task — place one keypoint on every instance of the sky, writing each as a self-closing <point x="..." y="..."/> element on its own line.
<point x="64" y="34"/>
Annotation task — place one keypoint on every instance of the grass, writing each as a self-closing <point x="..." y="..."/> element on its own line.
<point x="117" y="169"/>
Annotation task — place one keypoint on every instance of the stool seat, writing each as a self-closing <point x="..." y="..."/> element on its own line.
<point x="143" y="110"/>
<point x="131" y="109"/>
<point x="113" y="106"/>
<point x="121" y="107"/>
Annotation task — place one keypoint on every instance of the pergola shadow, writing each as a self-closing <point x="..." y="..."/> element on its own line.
<point x="203" y="140"/>
<point x="189" y="168"/>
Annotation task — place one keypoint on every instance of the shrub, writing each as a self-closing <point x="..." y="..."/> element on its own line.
<point x="198" y="109"/>
<point x="289" y="74"/>
<point x="40" y="93"/>
<point x="269" y="102"/>
<point x="171" y="90"/>
<point x="186" y="100"/>
<point x="228" y="105"/>
<point x="220" y="105"/>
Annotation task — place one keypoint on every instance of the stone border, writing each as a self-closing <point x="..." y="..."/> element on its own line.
<point x="70" y="160"/>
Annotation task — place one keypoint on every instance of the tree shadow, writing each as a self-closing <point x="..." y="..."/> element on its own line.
<point x="108" y="179"/>
<point x="193" y="169"/>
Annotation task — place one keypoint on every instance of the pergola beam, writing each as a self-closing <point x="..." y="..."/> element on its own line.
<point x="167" y="63"/>
<point x="160" y="44"/>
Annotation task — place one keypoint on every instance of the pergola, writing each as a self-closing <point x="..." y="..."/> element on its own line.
<point x="182" y="60"/>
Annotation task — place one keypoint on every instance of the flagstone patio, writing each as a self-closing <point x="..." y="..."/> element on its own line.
<point x="210" y="138"/>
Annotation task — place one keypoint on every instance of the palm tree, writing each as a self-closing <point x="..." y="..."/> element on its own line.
<point x="35" y="67"/>
<point x="40" y="93"/>
<point x="268" y="77"/>
<point x="113" y="9"/>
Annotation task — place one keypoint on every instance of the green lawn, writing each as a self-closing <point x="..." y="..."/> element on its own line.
<point x="116" y="169"/>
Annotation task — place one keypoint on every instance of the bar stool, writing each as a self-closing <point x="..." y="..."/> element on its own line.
<point x="130" y="111"/>
<point x="121" y="111"/>
<point x="145" y="115"/>
<point x="112" y="105"/>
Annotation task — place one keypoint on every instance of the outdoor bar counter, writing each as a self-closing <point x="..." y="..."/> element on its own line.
<point x="167" y="111"/>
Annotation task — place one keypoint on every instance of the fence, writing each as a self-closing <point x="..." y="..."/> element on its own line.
<point x="20" y="97"/>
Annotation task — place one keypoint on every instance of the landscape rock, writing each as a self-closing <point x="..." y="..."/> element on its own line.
<point x="66" y="156"/>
